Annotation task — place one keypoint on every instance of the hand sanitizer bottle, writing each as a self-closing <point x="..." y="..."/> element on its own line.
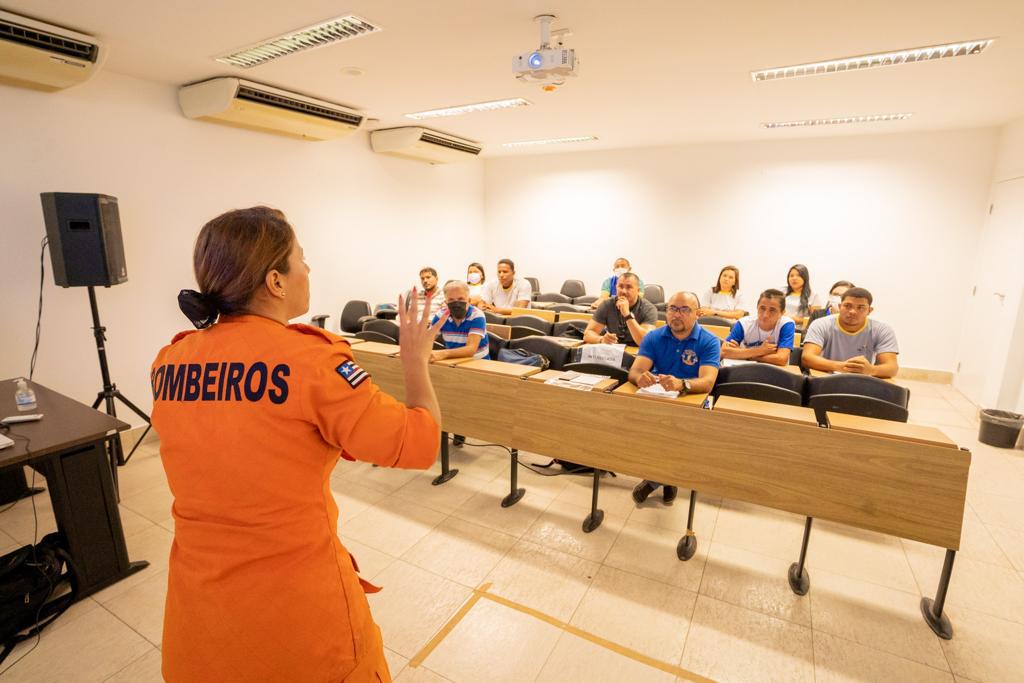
<point x="25" y="397"/>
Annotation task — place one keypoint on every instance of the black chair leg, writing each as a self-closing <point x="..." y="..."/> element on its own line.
<point x="515" y="494"/>
<point x="446" y="471"/>
<point x="799" y="579"/>
<point x="596" y="516"/>
<point x="932" y="609"/>
<point x="687" y="546"/>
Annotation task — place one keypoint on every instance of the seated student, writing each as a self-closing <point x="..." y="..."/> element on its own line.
<point x="766" y="337"/>
<point x="507" y="292"/>
<point x="475" y="277"/>
<point x="801" y="300"/>
<point x="835" y="296"/>
<point x="428" y="280"/>
<point x="623" y="320"/>
<point x="850" y="342"/>
<point x="619" y="268"/>
<point x="681" y="356"/>
<point x="465" y="330"/>
<point x="724" y="299"/>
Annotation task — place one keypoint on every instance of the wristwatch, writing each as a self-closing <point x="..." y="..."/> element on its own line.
<point x="630" y="316"/>
<point x="686" y="386"/>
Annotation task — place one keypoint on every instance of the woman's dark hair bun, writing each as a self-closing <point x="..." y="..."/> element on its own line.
<point x="199" y="308"/>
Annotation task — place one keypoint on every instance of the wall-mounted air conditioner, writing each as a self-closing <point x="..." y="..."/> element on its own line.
<point x="423" y="144"/>
<point x="237" y="102"/>
<point x="41" y="56"/>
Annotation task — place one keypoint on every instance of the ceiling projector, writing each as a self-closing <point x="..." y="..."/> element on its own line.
<point x="548" y="66"/>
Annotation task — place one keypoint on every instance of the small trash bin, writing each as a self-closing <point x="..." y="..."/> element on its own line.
<point x="1000" y="428"/>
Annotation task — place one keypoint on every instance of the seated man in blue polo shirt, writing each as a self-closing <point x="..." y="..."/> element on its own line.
<point x="681" y="356"/>
<point x="465" y="330"/>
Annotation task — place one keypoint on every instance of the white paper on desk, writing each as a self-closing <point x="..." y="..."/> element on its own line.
<point x="582" y="378"/>
<point x="605" y="354"/>
<point x="657" y="391"/>
<point x="568" y="385"/>
<point x="732" y="362"/>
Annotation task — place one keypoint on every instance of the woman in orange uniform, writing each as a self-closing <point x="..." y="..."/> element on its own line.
<point x="252" y="415"/>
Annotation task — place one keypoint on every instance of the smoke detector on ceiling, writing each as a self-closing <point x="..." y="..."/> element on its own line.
<point x="548" y="65"/>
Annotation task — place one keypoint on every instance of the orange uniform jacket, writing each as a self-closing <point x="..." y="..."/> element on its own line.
<point x="252" y="416"/>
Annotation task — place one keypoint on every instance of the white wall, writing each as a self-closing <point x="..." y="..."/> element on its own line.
<point x="897" y="214"/>
<point x="367" y="222"/>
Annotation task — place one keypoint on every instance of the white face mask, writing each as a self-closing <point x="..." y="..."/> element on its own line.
<point x="620" y="271"/>
<point x="473" y="278"/>
<point x="834" y="301"/>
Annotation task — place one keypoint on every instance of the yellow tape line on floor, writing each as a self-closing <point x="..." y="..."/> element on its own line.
<point x="482" y="593"/>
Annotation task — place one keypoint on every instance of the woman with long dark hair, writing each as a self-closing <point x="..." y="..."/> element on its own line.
<point x="724" y="299"/>
<point x="801" y="300"/>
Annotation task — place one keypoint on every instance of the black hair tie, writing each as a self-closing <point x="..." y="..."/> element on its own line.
<point x="199" y="308"/>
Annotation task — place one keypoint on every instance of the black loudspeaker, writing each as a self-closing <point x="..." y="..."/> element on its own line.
<point x="85" y="239"/>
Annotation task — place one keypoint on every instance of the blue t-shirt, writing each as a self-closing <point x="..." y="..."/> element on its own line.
<point x="457" y="336"/>
<point x="681" y="358"/>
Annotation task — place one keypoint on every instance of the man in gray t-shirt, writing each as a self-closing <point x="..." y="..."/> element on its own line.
<point x="850" y="342"/>
<point x="624" y="319"/>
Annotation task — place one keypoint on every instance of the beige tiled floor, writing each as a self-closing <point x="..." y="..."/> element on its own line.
<point x="726" y="614"/>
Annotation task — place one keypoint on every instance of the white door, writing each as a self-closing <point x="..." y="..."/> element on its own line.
<point x="991" y="315"/>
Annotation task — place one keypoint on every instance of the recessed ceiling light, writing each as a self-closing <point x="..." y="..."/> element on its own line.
<point x="468" y="108"/>
<point x="870" y="118"/>
<point x="318" y="35"/>
<point x="549" y="141"/>
<point x="917" y="54"/>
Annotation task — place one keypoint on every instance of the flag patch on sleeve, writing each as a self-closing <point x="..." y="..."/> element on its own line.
<point x="352" y="373"/>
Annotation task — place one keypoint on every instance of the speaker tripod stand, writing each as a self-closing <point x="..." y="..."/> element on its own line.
<point x="111" y="392"/>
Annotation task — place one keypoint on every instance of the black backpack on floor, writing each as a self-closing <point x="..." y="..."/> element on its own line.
<point x="29" y="577"/>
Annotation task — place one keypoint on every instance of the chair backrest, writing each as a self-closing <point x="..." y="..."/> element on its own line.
<point x="564" y="308"/>
<point x="370" y="335"/>
<point x="584" y="300"/>
<point x="759" y="392"/>
<point x="560" y="329"/>
<point x="388" y="328"/>
<point x="495" y="344"/>
<point x="859" y="395"/>
<point x="556" y="354"/>
<point x="520" y="331"/>
<point x="762" y="373"/>
<point x="386" y="311"/>
<point x="534" y="283"/>
<point x="494" y="318"/>
<point x="621" y="375"/>
<point x="553" y="296"/>
<point x="715" y="320"/>
<point x="573" y="288"/>
<point x="351" y="313"/>
<point x="654" y="294"/>
<point x="529" y="321"/>
<point x="795" y="355"/>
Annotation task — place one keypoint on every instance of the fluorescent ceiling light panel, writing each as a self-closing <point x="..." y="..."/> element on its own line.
<point x="468" y="108"/>
<point x="917" y="54"/>
<point x="549" y="141"/>
<point x="870" y="118"/>
<point x="318" y="35"/>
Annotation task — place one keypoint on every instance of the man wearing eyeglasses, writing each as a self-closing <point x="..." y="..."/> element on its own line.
<point x="681" y="356"/>
<point x="850" y="342"/>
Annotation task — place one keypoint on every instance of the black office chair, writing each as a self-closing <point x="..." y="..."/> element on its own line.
<point x="715" y="320"/>
<point x="319" y="321"/>
<point x="535" y="285"/>
<point x="553" y="297"/>
<point x="760" y="382"/>
<point x="386" y="311"/>
<point x="439" y="343"/>
<point x="494" y="318"/>
<point x="662" y="315"/>
<point x="561" y="329"/>
<point x="815" y="315"/>
<point x="567" y="308"/>
<point x="556" y="354"/>
<point x="573" y="288"/>
<point x="521" y="331"/>
<point x="388" y="328"/>
<point x="654" y="294"/>
<point x="859" y="395"/>
<point x="353" y="315"/>
<point x="794" y="357"/>
<point x="584" y="300"/>
<point x="370" y="335"/>
<point x="530" y="321"/>
<point x="495" y="344"/>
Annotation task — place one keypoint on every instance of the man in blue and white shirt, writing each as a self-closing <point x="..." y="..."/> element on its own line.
<point x="766" y="337"/>
<point x="465" y="330"/>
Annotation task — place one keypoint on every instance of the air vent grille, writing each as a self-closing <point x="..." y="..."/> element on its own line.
<point x="253" y="95"/>
<point x="324" y="33"/>
<point x="47" y="41"/>
<point x="446" y="142"/>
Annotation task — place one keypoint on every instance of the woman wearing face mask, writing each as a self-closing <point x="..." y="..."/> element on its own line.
<point x="724" y="299"/>
<point x="620" y="267"/>
<point x="801" y="300"/>
<point x="475" y="277"/>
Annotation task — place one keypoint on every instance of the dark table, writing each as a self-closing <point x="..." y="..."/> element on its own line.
<point x="69" y="448"/>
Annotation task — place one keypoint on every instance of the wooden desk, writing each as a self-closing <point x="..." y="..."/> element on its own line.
<point x="630" y="389"/>
<point x="452" y="362"/>
<point x="69" y="447"/>
<point x="378" y="348"/>
<point x="548" y="316"/>
<point x="499" y="368"/>
<point x="569" y="315"/>
<point x="632" y="350"/>
<point x="720" y="331"/>
<point x="603" y="385"/>
<point x="354" y="340"/>
<point x="746" y="406"/>
<point x="898" y="430"/>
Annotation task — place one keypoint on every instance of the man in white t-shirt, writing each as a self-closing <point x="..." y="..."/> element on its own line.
<point x="766" y="337"/>
<point x="507" y="291"/>
<point x="850" y="342"/>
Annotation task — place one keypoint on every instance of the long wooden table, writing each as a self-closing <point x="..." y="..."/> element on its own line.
<point x="881" y="480"/>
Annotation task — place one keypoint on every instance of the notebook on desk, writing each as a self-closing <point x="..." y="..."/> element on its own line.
<point x="5" y="442"/>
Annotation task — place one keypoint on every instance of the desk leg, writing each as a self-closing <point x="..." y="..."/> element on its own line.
<point x="799" y="580"/>
<point x="14" y="486"/>
<point x="932" y="609"/>
<point x="446" y="472"/>
<point x="687" y="546"/>
<point x="596" y="516"/>
<point x="515" y="494"/>
<point x="85" y="506"/>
